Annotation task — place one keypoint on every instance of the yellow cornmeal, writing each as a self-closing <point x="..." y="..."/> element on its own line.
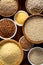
<point x="10" y="54"/>
<point x="21" y="17"/>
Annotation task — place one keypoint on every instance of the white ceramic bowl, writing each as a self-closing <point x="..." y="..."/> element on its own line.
<point x="30" y="52"/>
<point x="15" y="16"/>
<point x="14" y="32"/>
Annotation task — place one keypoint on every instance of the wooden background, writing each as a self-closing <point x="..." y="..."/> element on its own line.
<point x="19" y="33"/>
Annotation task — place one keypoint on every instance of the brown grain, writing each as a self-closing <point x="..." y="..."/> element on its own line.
<point x="7" y="28"/>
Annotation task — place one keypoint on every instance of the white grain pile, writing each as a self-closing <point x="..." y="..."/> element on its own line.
<point x="34" y="6"/>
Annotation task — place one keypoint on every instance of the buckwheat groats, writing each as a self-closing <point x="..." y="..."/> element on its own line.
<point x="25" y="44"/>
<point x="8" y="7"/>
<point x="34" y="6"/>
<point x="7" y="28"/>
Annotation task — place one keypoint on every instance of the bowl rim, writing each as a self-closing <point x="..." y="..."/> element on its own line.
<point x="15" y="28"/>
<point x="16" y="14"/>
<point x="17" y="43"/>
<point x="33" y="42"/>
<point x="29" y="11"/>
<point x="30" y="52"/>
<point x="9" y="15"/>
<point x="23" y="48"/>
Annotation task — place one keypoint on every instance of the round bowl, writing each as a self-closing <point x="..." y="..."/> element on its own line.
<point x="15" y="42"/>
<point x="15" y="29"/>
<point x="15" y="16"/>
<point x="27" y="37"/>
<point x="29" y="42"/>
<point x="8" y="8"/>
<point x="30" y="52"/>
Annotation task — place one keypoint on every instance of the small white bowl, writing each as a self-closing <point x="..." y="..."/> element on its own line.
<point x="14" y="32"/>
<point x="16" y="14"/>
<point x="25" y="49"/>
<point x="30" y="52"/>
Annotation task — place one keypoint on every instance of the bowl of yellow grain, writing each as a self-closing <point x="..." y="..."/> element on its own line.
<point x="11" y="52"/>
<point x="20" y="17"/>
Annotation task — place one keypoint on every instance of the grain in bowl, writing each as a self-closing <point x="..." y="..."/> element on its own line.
<point x="8" y="7"/>
<point x="8" y="28"/>
<point x="34" y="6"/>
<point x="35" y="56"/>
<point x="11" y="52"/>
<point x="25" y="44"/>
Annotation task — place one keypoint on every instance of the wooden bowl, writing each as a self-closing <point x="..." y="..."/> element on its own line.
<point x="27" y="37"/>
<point x="15" y="42"/>
<point x="8" y="8"/>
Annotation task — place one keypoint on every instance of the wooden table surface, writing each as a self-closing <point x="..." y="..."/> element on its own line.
<point x="19" y="33"/>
